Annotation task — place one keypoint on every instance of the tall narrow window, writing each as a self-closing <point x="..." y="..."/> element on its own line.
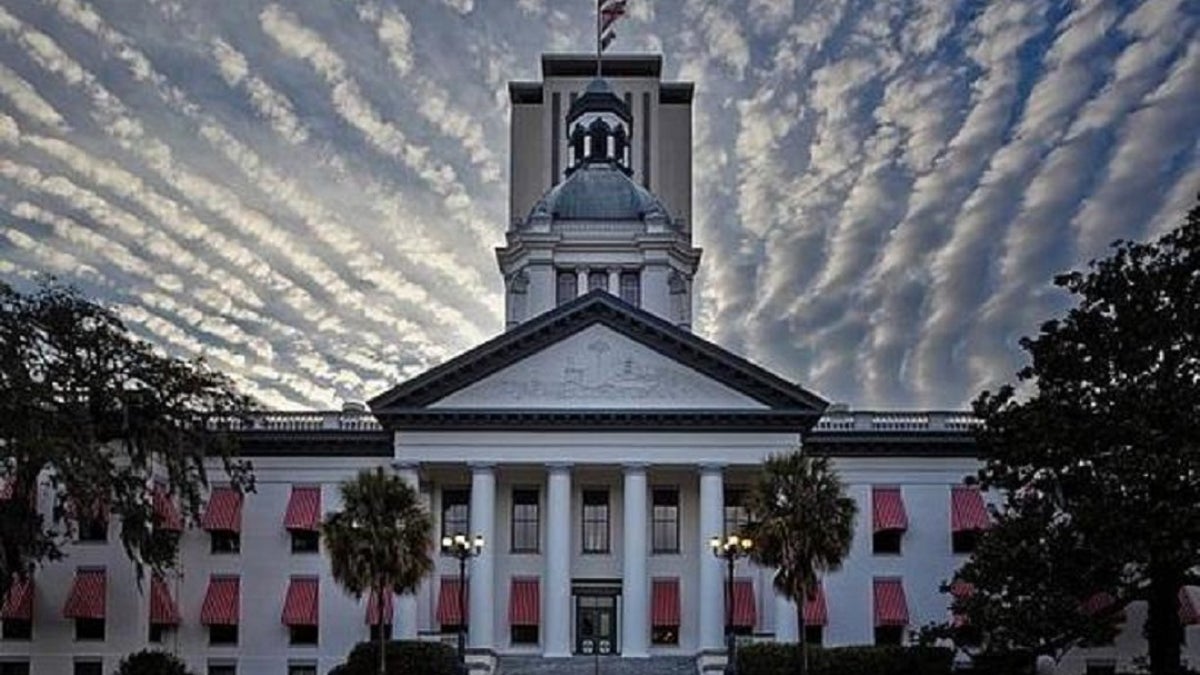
<point x="525" y="521"/>
<point x="89" y="668"/>
<point x="736" y="514"/>
<point x="597" y="280"/>
<point x="631" y="288"/>
<point x="456" y="512"/>
<point x="566" y="287"/>
<point x="665" y="517"/>
<point x="595" y="521"/>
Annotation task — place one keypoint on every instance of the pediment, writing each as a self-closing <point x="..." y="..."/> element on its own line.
<point x="598" y="368"/>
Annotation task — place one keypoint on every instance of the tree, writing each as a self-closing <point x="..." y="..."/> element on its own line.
<point x="149" y="662"/>
<point x="100" y="416"/>
<point x="802" y="523"/>
<point x="380" y="541"/>
<point x="1107" y="437"/>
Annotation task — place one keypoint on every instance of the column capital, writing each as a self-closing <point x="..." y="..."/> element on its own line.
<point x="635" y="467"/>
<point x="711" y="467"/>
<point x="482" y="466"/>
<point x="559" y="467"/>
<point x="406" y="465"/>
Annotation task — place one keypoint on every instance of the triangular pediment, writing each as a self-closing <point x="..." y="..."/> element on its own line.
<point x="596" y="358"/>
<point x="598" y="368"/>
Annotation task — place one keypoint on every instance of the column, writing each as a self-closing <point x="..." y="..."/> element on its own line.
<point x="482" y="604"/>
<point x="405" y="617"/>
<point x="787" y="629"/>
<point x="581" y="281"/>
<point x="635" y="601"/>
<point x="614" y="281"/>
<point x="712" y="571"/>
<point x="556" y="591"/>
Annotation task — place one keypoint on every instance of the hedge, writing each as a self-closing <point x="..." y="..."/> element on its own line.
<point x="151" y="662"/>
<point x="784" y="659"/>
<point x="404" y="657"/>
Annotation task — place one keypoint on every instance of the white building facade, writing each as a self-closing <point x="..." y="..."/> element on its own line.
<point x="596" y="446"/>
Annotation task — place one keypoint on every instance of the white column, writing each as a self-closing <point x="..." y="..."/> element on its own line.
<point x="787" y="629"/>
<point x="482" y="602"/>
<point x="635" y="600"/>
<point x="614" y="281"/>
<point x="405" y="617"/>
<point x="712" y="582"/>
<point x="556" y="591"/>
<point x="581" y="281"/>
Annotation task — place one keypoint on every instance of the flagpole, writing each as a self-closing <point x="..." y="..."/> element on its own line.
<point x="599" y="62"/>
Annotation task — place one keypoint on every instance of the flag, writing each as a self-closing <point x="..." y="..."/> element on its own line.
<point x="610" y="11"/>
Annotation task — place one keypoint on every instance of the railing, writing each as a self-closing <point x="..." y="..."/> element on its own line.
<point x="864" y="420"/>
<point x="317" y="420"/>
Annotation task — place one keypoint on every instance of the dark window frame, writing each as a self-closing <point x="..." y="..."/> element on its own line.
<point x="524" y="635"/>
<point x="304" y="636"/>
<point x="590" y="519"/>
<point x="964" y="542"/>
<point x="671" y="522"/>
<point x="222" y="669"/>
<point x="92" y="530"/>
<point x="16" y="630"/>
<point x="306" y="541"/>
<point x="225" y="542"/>
<point x="630" y="284"/>
<point x="664" y="635"/>
<point x="223" y="634"/>
<point x="518" y="544"/>
<point x="461" y="498"/>
<point x="91" y="630"/>
<point x="15" y="667"/>
<point x="302" y="669"/>
<point x="887" y="542"/>
<point x="563" y="295"/>
<point x="814" y="635"/>
<point x="889" y="635"/>
<point x="158" y="633"/>
<point x="88" y="667"/>
<point x="734" y="514"/>
<point x="373" y="631"/>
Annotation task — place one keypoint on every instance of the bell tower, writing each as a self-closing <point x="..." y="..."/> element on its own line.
<point x="584" y="213"/>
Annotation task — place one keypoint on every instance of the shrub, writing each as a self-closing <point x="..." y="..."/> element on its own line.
<point x="149" y="662"/>
<point x="784" y="659"/>
<point x="404" y="657"/>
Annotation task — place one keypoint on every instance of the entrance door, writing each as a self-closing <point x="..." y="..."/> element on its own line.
<point x="596" y="624"/>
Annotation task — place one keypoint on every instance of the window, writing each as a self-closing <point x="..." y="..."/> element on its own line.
<point x="565" y="289"/>
<point x="598" y="280"/>
<point x="221" y="634"/>
<point x="736" y="515"/>
<point x="665" y="520"/>
<point x="89" y="668"/>
<point x="595" y="521"/>
<point x="89" y="629"/>
<point x="226" y="542"/>
<point x="964" y="541"/>
<point x="887" y="541"/>
<point x="1101" y="668"/>
<point x="631" y="288"/>
<point x="303" y="635"/>
<point x="814" y="635"/>
<point x="456" y="512"/>
<point x="664" y="635"/>
<point x="17" y="629"/>
<point x="302" y="669"/>
<point x="524" y="635"/>
<point x="14" y="668"/>
<point x="93" y="528"/>
<point x="306" y="541"/>
<point x="525" y="521"/>
<point x="387" y="631"/>
<point x="889" y="635"/>
<point x="158" y="632"/>
<point x="222" y="669"/>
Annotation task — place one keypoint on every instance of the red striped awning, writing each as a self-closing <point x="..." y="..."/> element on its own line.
<point x="1189" y="613"/>
<point x="166" y="511"/>
<point x="88" y="595"/>
<point x="222" y="602"/>
<point x="745" y="612"/>
<point x="887" y="507"/>
<point x="967" y="511"/>
<point x="224" y="511"/>
<point x="373" y="605"/>
<point x="301" y="607"/>
<point x="304" y="510"/>
<point x="163" y="611"/>
<point x="664" y="603"/>
<point x="891" y="607"/>
<point x="960" y="590"/>
<point x="449" y="612"/>
<point x="815" y="611"/>
<point x="18" y="602"/>
<point x="524" y="603"/>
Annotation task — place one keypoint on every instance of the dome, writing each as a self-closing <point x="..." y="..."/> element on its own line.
<point x="599" y="191"/>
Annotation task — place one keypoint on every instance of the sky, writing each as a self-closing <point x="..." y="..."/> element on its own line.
<point x="308" y="194"/>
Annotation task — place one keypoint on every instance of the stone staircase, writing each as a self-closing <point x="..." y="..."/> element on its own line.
<point x="588" y="665"/>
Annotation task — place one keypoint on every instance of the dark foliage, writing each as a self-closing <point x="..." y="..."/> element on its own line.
<point x="785" y="659"/>
<point x="98" y="415"/>
<point x="149" y="662"/>
<point x="403" y="658"/>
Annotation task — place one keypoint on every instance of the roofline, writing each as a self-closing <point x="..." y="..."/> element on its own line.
<point x="527" y="93"/>
<point x="615" y="65"/>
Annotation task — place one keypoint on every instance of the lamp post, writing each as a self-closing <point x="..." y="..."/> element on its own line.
<point x="464" y="549"/>
<point x="730" y="550"/>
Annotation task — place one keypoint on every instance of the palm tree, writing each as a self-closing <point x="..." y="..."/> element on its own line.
<point x="380" y="541"/>
<point x="802" y="523"/>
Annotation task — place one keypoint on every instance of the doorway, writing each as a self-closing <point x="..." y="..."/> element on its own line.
<point x="596" y="624"/>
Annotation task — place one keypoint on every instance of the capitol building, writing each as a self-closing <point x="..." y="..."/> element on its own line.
<point x="596" y="446"/>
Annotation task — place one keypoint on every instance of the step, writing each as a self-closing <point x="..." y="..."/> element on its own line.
<point x="590" y="665"/>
